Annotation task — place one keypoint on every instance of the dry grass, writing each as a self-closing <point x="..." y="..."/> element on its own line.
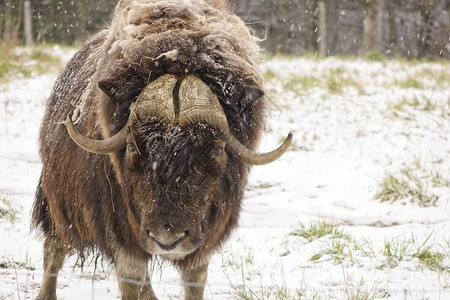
<point x="413" y="183"/>
<point x="27" y="62"/>
<point x="7" y="210"/>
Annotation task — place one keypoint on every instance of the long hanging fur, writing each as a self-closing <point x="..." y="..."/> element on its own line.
<point x="147" y="38"/>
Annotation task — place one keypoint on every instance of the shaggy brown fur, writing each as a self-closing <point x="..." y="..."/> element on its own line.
<point x="87" y="202"/>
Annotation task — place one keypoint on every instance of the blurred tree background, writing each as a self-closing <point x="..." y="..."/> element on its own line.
<point x="406" y="28"/>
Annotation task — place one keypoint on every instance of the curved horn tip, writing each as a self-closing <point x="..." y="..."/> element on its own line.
<point x="284" y="146"/>
<point x="106" y="146"/>
<point x="253" y="158"/>
<point x="289" y="138"/>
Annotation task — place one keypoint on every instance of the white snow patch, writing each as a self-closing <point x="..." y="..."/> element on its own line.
<point x="343" y="144"/>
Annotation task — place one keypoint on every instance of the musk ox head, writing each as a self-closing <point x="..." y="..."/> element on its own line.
<point x="177" y="143"/>
<point x="172" y="93"/>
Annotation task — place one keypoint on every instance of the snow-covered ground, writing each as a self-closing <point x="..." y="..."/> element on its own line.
<point x="354" y="122"/>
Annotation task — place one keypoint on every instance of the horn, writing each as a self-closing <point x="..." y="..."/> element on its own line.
<point x="253" y="158"/>
<point x="112" y="144"/>
<point x="198" y="103"/>
<point x="154" y="100"/>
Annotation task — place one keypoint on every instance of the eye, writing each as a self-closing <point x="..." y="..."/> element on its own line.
<point x="218" y="152"/>
<point x="131" y="147"/>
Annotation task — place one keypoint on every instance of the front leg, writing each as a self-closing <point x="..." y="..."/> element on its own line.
<point x="54" y="254"/>
<point x="133" y="277"/>
<point x="194" y="280"/>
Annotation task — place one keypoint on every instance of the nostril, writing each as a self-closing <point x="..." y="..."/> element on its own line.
<point x="167" y="226"/>
<point x="180" y="235"/>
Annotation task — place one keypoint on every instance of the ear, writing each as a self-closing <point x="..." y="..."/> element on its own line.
<point x="108" y="87"/>
<point x="252" y="94"/>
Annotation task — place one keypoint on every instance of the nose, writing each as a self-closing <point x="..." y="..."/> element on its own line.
<point x="166" y="237"/>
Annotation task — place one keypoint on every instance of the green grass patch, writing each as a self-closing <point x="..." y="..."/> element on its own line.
<point x="395" y="251"/>
<point x="409" y="83"/>
<point x="430" y="256"/>
<point x="5" y="67"/>
<point x="360" y="290"/>
<point x="28" y="62"/>
<point x="374" y="57"/>
<point x="417" y="103"/>
<point x="7" y="210"/>
<point x="440" y="77"/>
<point x="338" y="79"/>
<point x="343" y="248"/>
<point x="301" y="83"/>
<point x="340" y="245"/>
<point x="339" y="250"/>
<point x="413" y="183"/>
<point x="335" y="81"/>
<point x="318" y="230"/>
<point x="270" y="75"/>
<point x="12" y="66"/>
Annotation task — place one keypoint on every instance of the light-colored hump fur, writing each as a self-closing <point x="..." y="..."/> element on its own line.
<point x="218" y="4"/>
<point x="139" y="22"/>
<point x="163" y="36"/>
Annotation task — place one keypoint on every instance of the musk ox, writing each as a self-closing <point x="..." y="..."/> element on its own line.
<point x="147" y="141"/>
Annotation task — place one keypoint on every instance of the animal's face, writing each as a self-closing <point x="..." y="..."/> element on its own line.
<point x="173" y="176"/>
<point x="177" y="141"/>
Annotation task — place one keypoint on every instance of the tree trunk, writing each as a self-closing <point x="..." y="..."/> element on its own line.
<point x="27" y="23"/>
<point x="427" y="11"/>
<point x="12" y="23"/>
<point x="322" y="28"/>
<point x="372" y="27"/>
